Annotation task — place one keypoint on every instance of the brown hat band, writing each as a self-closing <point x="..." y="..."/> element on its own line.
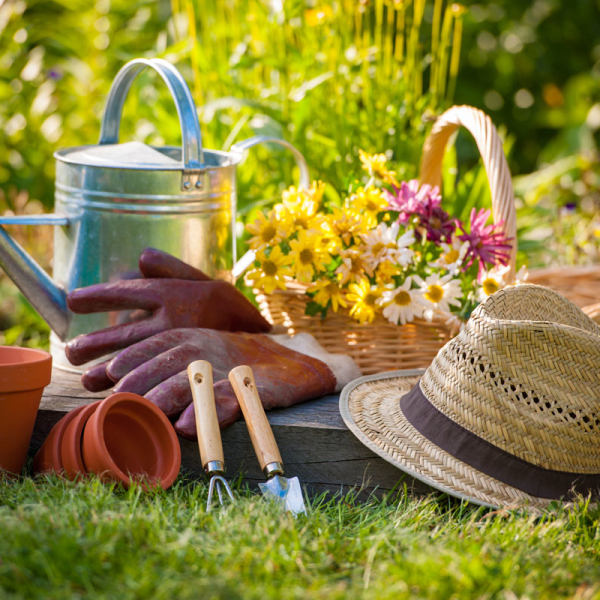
<point x="467" y="447"/>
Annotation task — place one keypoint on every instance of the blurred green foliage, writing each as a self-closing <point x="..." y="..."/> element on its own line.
<point x="329" y="76"/>
<point x="329" y="79"/>
<point x="535" y="68"/>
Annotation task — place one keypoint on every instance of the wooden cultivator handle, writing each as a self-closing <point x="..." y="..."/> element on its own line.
<point x="261" y="434"/>
<point x="207" y="424"/>
<point x="490" y="147"/>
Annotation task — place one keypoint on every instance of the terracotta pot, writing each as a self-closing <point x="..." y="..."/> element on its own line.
<point x="70" y="447"/>
<point x="49" y="457"/>
<point x="129" y="438"/>
<point x="24" y="373"/>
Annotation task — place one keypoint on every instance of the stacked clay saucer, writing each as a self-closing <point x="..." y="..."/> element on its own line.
<point x="123" y="438"/>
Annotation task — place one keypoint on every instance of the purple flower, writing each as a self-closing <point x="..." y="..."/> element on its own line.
<point x="54" y="74"/>
<point x="423" y="202"/>
<point x="486" y="243"/>
<point x="437" y="223"/>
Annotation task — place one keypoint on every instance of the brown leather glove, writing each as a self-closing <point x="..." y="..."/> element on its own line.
<point x="156" y="369"/>
<point x="174" y="293"/>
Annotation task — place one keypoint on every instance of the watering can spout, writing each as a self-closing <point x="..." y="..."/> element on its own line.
<point x="47" y="298"/>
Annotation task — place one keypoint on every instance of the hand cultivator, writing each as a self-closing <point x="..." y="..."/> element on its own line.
<point x="209" y="434"/>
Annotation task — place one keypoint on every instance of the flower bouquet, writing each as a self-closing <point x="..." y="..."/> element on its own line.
<point x="387" y="277"/>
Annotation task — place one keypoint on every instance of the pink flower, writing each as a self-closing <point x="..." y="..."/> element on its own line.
<point x="486" y="243"/>
<point x="424" y="202"/>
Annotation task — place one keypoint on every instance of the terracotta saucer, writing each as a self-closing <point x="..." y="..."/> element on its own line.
<point x="70" y="448"/>
<point x="48" y="458"/>
<point x="127" y="439"/>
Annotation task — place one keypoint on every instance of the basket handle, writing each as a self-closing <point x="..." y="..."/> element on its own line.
<point x="488" y="141"/>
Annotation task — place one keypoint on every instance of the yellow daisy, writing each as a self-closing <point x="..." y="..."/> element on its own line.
<point x="272" y="271"/>
<point x="375" y="165"/>
<point x="353" y="266"/>
<point x="367" y="203"/>
<point x="385" y="271"/>
<point x="370" y="200"/>
<point x="294" y="197"/>
<point x="330" y="242"/>
<point x="299" y="211"/>
<point x="308" y="255"/>
<point x="346" y="225"/>
<point x="266" y="231"/>
<point x="316" y="191"/>
<point x="364" y="297"/>
<point x="327" y="290"/>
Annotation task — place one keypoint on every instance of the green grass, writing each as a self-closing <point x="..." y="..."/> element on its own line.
<point x="65" y="540"/>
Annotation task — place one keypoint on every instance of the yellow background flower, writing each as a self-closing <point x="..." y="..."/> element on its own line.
<point x="353" y="266"/>
<point x="299" y="210"/>
<point x="375" y="165"/>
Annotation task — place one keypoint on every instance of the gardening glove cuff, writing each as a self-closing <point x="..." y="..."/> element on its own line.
<point x="343" y="367"/>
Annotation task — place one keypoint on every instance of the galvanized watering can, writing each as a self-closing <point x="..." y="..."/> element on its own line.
<point x="113" y="200"/>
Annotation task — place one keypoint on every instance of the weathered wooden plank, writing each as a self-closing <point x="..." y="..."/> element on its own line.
<point x="315" y="444"/>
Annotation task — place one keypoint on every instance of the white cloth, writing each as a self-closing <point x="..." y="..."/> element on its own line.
<point x="344" y="369"/>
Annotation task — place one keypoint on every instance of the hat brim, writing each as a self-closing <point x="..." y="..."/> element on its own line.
<point x="370" y="407"/>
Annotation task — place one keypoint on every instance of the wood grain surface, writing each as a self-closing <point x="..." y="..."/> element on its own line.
<point x="315" y="444"/>
<point x="207" y="424"/>
<point x="261" y="434"/>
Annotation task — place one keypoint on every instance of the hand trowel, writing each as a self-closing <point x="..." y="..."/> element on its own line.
<point x="285" y="492"/>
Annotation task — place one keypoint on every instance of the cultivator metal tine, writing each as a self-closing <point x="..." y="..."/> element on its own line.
<point x="217" y="482"/>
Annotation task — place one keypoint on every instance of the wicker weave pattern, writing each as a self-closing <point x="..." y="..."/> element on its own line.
<point x="373" y="413"/>
<point x="521" y="376"/>
<point x="380" y="346"/>
<point x="581" y="285"/>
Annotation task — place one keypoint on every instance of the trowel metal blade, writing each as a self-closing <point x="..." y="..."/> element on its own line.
<point x="287" y="493"/>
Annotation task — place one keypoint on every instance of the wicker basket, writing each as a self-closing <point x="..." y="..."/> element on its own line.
<point x="382" y="346"/>
<point x="581" y="285"/>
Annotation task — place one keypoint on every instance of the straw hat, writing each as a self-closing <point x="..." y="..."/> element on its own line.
<point x="508" y="413"/>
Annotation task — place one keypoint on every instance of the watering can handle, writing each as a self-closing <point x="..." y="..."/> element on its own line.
<point x="191" y="138"/>
<point x="239" y="148"/>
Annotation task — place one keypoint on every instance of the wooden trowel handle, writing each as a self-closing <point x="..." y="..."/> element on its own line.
<point x="207" y="424"/>
<point x="261" y="434"/>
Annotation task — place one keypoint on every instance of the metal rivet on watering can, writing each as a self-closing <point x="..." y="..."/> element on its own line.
<point x="113" y="200"/>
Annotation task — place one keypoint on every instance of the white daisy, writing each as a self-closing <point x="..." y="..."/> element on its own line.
<point x="382" y="244"/>
<point x="401" y="304"/>
<point x="438" y="293"/>
<point x="452" y="257"/>
<point x="404" y="254"/>
<point x="455" y="324"/>
<point x="522" y="275"/>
